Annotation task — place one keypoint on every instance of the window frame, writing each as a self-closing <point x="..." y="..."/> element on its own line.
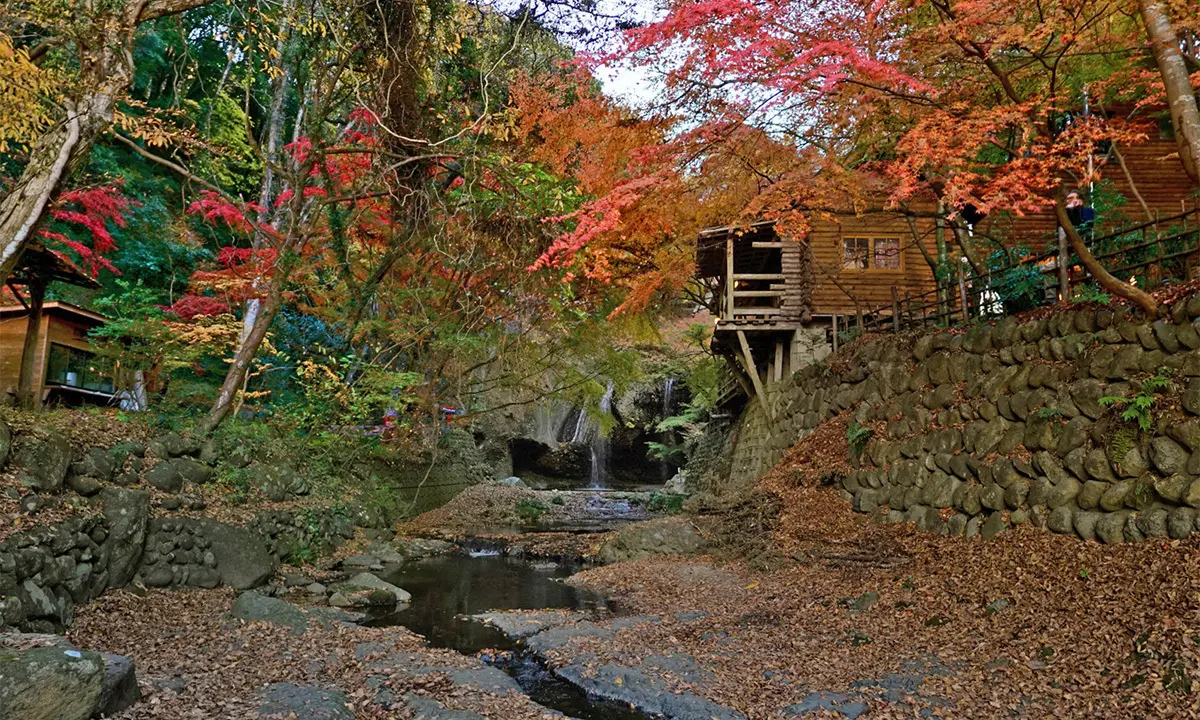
<point x="871" y="238"/>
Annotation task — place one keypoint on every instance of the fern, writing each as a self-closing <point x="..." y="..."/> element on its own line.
<point x="857" y="436"/>
<point x="1139" y="407"/>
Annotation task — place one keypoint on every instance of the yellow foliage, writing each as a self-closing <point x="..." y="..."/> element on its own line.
<point x="24" y="87"/>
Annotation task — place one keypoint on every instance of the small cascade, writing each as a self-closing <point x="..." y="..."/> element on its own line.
<point x="667" y="406"/>
<point x="600" y="443"/>
<point x="582" y="427"/>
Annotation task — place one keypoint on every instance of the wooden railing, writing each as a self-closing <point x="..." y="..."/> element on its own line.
<point x="1147" y="254"/>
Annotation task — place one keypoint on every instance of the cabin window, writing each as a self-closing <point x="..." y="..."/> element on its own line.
<point x="871" y="253"/>
<point x="75" y="368"/>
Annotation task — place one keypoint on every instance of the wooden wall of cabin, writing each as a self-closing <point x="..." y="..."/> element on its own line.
<point x="1157" y="175"/>
<point x="12" y="341"/>
<point x="835" y="288"/>
<point x="12" y="338"/>
<point x="55" y="329"/>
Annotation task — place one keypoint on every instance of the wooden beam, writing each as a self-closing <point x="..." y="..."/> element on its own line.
<point x="778" y="361"/>
<point x="752" y="371"/>
<point x="760" y="276"/>
<point x="766" y="245"/>
<point x="730" y="278"/>
<point x="758" y="293"/>
<point x="757" y="311"/>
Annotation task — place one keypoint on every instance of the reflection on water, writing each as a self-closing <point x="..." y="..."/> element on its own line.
<point x="446" y="587"/>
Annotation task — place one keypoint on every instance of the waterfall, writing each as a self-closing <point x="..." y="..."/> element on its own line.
<point x="600" y="443"/>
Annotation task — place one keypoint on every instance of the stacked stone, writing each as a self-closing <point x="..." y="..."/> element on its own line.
<point x="1003" y="425"/>
<point x="45" y="572"/>
<point x="319" y="529"/>
<point x="178" y="554"/>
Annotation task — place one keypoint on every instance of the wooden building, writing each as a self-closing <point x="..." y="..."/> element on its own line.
<point x="784" y="302"/>
<point x="63" y="368"/>
<point x="45" y="353"/>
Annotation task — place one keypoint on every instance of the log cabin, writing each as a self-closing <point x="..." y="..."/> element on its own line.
<point x="45" y="350"/>
<point x="63" y="371"/>
<point x="782" y="303"/>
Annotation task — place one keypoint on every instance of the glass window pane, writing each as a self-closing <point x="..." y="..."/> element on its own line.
<point x="56" y="370"/>
<point x="857" y="253"/>
<point x="887" y="253"/>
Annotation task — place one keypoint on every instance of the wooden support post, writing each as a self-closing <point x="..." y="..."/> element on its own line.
<point x="835" y="333"/>
<point x="778" y="361"/>
<point x="29" y="397"/>
<point x="729" y="281"/>
<point x="752" y="371"/>
<point x="895" y="310"/>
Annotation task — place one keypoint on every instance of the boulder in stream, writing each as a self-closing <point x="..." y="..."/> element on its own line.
<point x="367" y="590"/>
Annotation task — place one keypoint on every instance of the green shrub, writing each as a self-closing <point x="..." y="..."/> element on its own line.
<point x="668" y="503"/>
<point x="530" y="511"/>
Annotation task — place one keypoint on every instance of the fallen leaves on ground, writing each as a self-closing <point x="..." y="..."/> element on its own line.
<point x="195" y="661"/>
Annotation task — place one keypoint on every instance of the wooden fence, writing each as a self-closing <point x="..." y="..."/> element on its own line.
<point x="1149" y="254"/>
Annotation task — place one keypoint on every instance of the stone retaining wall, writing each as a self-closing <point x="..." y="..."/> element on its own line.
<point x="1004" y="425"/>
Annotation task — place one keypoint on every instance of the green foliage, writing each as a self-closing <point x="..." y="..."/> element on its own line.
<point x="1091" y="293"/>
<point x="668" y="503"/>
<point x="343" y="391"/>
<point x="1020" y="287"/>
<point x="301" y="555"/>
<point x="530" y="511"/>
<point x="141" y="337"/>
<point x="849" y="335"/>
<point x="1049" y="413"/>
<point x="857" y="436"/>
<point x="663" y="452"/>
<point x="1138" y="408"/>
<point x="558" y="500"/>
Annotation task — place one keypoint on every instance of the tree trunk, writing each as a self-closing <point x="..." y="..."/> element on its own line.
<point x="236" y="375"/>
<point x="968" y="250"/>
<point x="29" y="397"/>
<point x="1107" y="280"/>
<point x="1181" y="97"/>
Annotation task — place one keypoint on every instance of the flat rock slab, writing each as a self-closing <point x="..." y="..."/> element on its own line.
<point x="837" y="703"/>
<point x="644" y="693"/>
<point x="556" y="637"/>
<point x="520" y="625"/>
<point x="303" y="702"/>
<point x="429" y="709"/>
<point x="481" y="677"/>
<point x="252" y="607"/>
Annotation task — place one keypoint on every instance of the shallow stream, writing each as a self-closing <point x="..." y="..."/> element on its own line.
<point x="446" y="589"/>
